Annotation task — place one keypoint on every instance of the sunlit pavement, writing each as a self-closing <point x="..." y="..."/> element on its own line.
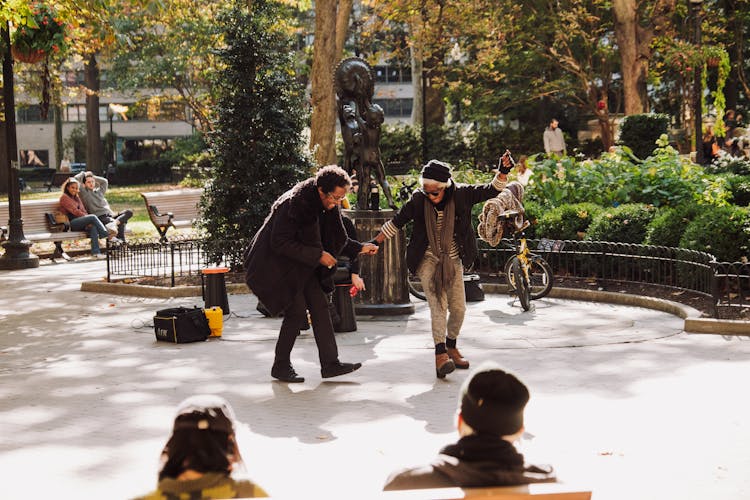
<point x="623" y="401"/>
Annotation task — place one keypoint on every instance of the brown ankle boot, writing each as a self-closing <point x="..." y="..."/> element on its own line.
<point x="443" y="365"/>
<point x="458" y="360"/>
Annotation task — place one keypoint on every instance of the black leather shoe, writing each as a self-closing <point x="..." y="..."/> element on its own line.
<point x="286" y="374"/>
<point x="339" y="368"/>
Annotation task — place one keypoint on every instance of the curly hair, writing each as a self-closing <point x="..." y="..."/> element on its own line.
<point x="330" y="177"/>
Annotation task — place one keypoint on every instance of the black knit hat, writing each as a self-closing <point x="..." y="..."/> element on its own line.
<point x="205" y="412"/>
<point x="492" y="401"/>
<point x="437" y="171"/>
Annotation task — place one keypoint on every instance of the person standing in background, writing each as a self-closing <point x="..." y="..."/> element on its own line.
<point x="554" y="142"/>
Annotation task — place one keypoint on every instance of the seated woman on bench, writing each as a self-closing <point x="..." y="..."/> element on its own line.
<point x="80" y="220"/>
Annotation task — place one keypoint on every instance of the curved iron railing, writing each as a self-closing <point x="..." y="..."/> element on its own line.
<point x="726" y="284"/>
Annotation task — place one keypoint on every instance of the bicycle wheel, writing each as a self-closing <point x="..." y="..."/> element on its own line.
<point x="415" y="287"/>
<point x="540" y="276"/>
<point x="521" y="284"/>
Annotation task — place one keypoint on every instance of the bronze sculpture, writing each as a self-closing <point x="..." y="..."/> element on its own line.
<point x="360" y="121"/>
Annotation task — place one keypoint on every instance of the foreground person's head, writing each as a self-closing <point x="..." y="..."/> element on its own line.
<point x="491" y="403"/>
<point x="203" y="438"/>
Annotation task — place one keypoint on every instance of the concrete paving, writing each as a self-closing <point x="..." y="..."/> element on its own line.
<point x="623" y="400"/>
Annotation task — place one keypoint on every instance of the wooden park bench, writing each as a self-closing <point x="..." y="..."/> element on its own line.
<point x="535" y="491"/>
<point x="38" y="224"/>
<point x="176" y="208"/>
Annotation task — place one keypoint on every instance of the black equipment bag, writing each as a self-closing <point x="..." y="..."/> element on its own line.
<point x="181" y="325"/>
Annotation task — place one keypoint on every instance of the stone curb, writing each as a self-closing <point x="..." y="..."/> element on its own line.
<point x="153" y="292"/>
<point x="693" y="322"/>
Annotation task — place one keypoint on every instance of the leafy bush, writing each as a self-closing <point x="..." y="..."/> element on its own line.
<point x="257" y="143"/>
<point x="730" y="164"/>
<point x="622" y="224"/>
<point x="721" y="231"/>
<point x="663" y="179"/>
<point x="739" y="186"/>
<point x="533" y="212"/>
<point x="400" y="148"/>
<point x="143" y="172"/>
<point x="668" y="226"/>
<point x="448" y="143"/>
<point x="567" y="222"/>
<point x="640" y="132"/>
<point x="35" y="174"/>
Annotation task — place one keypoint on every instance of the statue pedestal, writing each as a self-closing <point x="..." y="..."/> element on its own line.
<point x="385" y="274"/>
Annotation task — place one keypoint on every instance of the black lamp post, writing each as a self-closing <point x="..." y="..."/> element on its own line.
<point x="697" y="85"/>
<point x="424" y="116"/>
<point x="17" y="254"/>
<point x="111" y="115"/>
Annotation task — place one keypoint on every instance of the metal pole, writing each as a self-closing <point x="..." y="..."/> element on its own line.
<point x="424" y="116"/>
<point x="111" y="115"/>
<point x="697" y="86"/>
<point x="17" y="254"/>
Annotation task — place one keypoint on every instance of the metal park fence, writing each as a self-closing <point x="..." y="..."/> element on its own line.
<point x="727" y="285"/>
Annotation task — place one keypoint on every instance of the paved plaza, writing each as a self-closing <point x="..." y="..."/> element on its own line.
<point x="623" y="400"/>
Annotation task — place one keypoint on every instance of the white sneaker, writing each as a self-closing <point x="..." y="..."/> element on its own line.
<point x="112" y="228"/>
<point x="100" y="256"/>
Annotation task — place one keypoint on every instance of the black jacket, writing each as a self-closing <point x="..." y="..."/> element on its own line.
<point x="286" y="250"/>
<point x="473" y="462"/>
<point x="466" y="197"/>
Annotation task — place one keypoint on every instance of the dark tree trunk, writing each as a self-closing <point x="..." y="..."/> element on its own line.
<point x="94" y="148"/>
<point x="735" y="46"/>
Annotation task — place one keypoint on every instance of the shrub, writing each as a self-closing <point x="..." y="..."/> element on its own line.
<point x="662" y="179"/>
<point x="668" y="226"/>
<point x="400" y="148"/>
<point x="739" y="186"/>
<point x="533" y="212"/>
<point x="567" y="222"/>
<point x="730" y="164"/>
<point x="257" y="143"/>
<point x="640" y="132"/>
<point x="721" y="231"/>
<point x="143" y="172"/>
<point x="621" y="224"/>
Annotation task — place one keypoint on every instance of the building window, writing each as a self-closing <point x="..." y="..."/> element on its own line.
<point x="74" y="113"/>
<point x="392" y="74"/>
<point x="31" y="113"/>
<point x="400" y="108"/>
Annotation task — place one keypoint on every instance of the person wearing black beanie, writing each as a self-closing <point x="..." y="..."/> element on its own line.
<point x="442" y="244"/>
<point x="490" y="419"/>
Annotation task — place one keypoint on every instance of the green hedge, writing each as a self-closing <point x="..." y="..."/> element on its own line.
<point x="721" y="231"/>
<point x="668" y="226"/>
<point x="143" y="172"/>
<point x="739" y="186"/>
<point x="640" y="132"/>
<point x="36" y="173"/>
<point x="622" y="224"/>
<point x="567" y="222"/>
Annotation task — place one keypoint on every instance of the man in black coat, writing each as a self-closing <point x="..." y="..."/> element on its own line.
<point x="291" y="262"/>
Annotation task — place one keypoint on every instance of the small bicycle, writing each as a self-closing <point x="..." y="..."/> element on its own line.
<point x="529" y="275"/>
